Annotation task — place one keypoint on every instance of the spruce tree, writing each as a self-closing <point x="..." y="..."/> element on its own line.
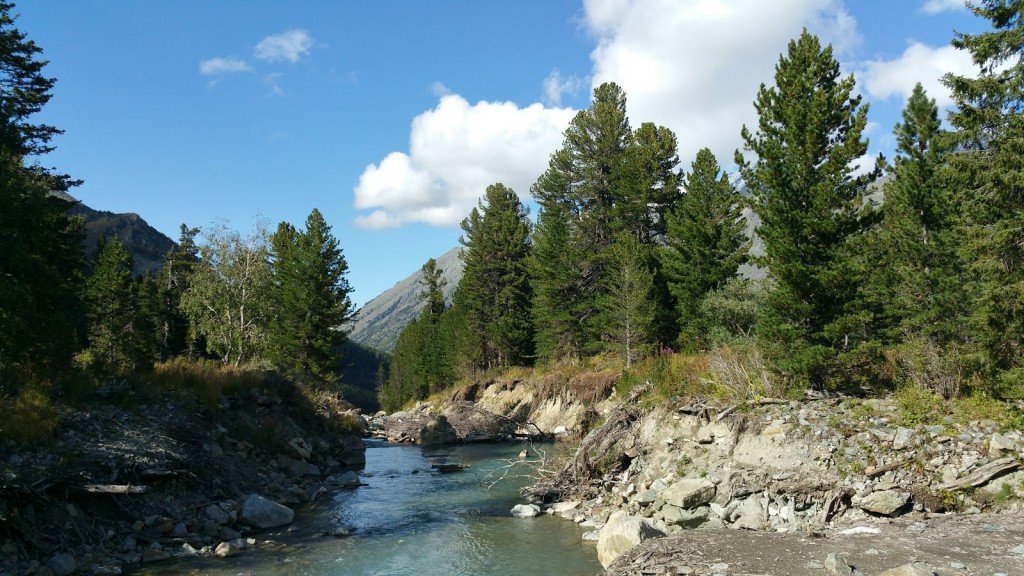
<point x="627" y="304"/>
<point x="310" y="299"/>
<point x="117" y="329"/>
<point x="495" y="284"/>
<point x="705" y="243"/>
<point x="173" y="279"/>
<point x="555" y="278"/>
<point x="808" y="138"/>
<point x="650" y="182"/>
<point x="989" y="122"/>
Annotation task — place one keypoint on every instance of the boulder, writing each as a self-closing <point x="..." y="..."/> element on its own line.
<point x="437" y="431"/>
<point x="837" y="565"/>
<point x="675" y="516"/>
<point x="475" y="424"/>
<point x="689" y="493"/>
<point x="226" y="549"/>
<point x="216" y="514"/>
<point x="352" y="451"/>
<point x="260" y="512"/>
<point x="621" y="533"/>
<point x="902" y="438"/>
<point x="912" y="569"/>
<point x="525" y="510"/>
<point x="62" y="564"/>
<point x="884" y="502"/>
<point x="154" y="555"/>
<point x="749" y="515"/>
<point x="1000" y="445"/>
<point x="348" y="479"/>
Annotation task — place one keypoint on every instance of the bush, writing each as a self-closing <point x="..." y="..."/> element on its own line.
<point x="208" y="380"/>
<point x="929" y="367"/>
<point x="729" y="313"/>
<point x="28" y="417"/>
<point x="740" y="373"/>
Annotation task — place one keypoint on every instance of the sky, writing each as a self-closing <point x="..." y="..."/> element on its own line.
<point x="392" y="117"/>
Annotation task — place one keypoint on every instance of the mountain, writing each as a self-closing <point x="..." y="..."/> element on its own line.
<point x="147" y="245"/>
<point x="379" y="323"/>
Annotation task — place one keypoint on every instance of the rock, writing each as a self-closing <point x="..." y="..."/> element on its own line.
<point x="645" y="497"/>
<point x="180" y="530"/>
<point x="62" y="564"/>
<point x="912" y="569"/>
<point x="689" y="493"/>
<point x="621" y="533"/>
<point x="560" y="431"/>
<point x="902" y="438"/>
<point x="225" y="533"/>
<point x="884" y="502"/>
<point x="341" y="532"/>
<point x="226" y="549"/>
<point x="154" y="555"/>
<point x="215" y="514"/>
<point x="749" y="515"/>
<point x="298" y="467"/>
<point x="188" y="550"/>
<point x="591" y="536"/>
<point x="563" y="507"/>
<point x="837" y="564"/>
<point x="437" y="431"/>
<point x="160" y="525"/>
<point x="260" y="512"/>
<point x="300" y="448"/>
<point x="525" y="510"/>
<point x="674" y="516"/>
<point x="345" y="480"/>
<point x="1000" y="445"/>
<point x="524" y="454"/>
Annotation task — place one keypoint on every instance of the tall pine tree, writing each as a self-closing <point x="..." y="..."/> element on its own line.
<point x="120" y="338"/>
<point x="989" y="122"/>
<point x="555" y="279"/>
<point x="495" y="286"/>
<point x="808" y="138"/>
<point x="705" y="243"/>
<point x="627" y="304"/>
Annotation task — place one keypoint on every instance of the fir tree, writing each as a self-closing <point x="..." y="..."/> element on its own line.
<point x="555" y="277"/>
<point x="808" y="138"/>
<point x="627" y="304"/>
<point x="495" y="284"/>
<point x="705" y="243"/>
<point x="118" y="337"/>
<point x="989" y="120"/>
<point x="173" y="280"/>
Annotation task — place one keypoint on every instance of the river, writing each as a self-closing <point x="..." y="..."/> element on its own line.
<point x="411" y="520"/>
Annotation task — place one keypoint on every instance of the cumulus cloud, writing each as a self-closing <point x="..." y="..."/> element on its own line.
<point x="556" y="86"/>
<point x="939" y="6"/>
<point x="456" y="150"/>
<point x="695" y="65"/>
<point x="287" y="46"/>
<point x="218" y="66"/>
<point x="884" y="79"/>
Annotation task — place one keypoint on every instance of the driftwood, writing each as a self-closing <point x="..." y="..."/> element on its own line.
<point x="113" y="489"/>
<point x="983" y="474"/>
<point x="876" y="471"/>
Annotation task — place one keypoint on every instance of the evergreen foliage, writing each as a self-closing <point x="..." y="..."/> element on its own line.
<point x="627" y="305"/>
<point x="808" y="138"/>
<point x="120" y="336"/>
<point x="705" y="242"/>
<point x="495" y="287"/>
<point x="555" y="277"/>
<point x="989" y="122"/>
<point x="173" y="279"/>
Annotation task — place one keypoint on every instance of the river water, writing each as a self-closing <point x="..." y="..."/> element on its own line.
<point x="411" y="520"/>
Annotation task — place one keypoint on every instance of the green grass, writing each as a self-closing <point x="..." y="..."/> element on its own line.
<point x="209" y="380"/>
<point x="28" y="417"/>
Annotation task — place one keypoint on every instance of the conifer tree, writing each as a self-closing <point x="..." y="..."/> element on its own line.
<point x="989" y="122"/>
<point x="117" y="328"/>
<point x="627" y="304"/>
<point x="807" y="141"/>
<point x="650" y="182"/>
<point x="705" y="243"/>
<point x="916" y="231"/>
<point x="173" y="280"/>
<point x="555" y="277"/>
<point x="433" y="283"/>
<point x="310" y="298"/>
<point x="495" y="284"/>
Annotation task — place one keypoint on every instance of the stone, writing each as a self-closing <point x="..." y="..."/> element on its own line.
<point x="225" y="533"/>
<point x="62" y="564"/>
<point x="188" y="550"/>
<point x="341" y="532"/>
<point x="689" y="493"/>
<point x="346" y="480"/>
<point x="591" y="536"/>
<point x="525" y="510"/>
<point x="884" y="502"/>
<point x="260" y="512"/>
<point x="154" y="555"/>
<point x="215" y="514"/>
<point x="645" y="497"/>
<point x="560" y="431"/>
<point x="621" y="533"/>
<point x="226" y="549"/>
<point x="437" y="431"/>
<point x="836" y="564"/>
<point x="300" y="448"/>
<point x="1000" y="445"/>
<point x="674" y="516"/>
<point x="902" y="438"/>
<point x="180" y="530"/>
<point x="749" y="515"/>
<point x="912" y="569"/>
<point x="562" y="508"/>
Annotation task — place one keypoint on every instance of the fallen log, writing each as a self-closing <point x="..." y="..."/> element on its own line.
<point x="983" y="474"/>
<point x="113" y="489"/>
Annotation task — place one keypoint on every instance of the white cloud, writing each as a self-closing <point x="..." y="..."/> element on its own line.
<point x="939" y="6"/>
<point x="286" y="46"/>
<point x="218" y="66"/>
<point x="884" y="79"/>
<point x="556" y="85"/>
<point x="695" y="65"/>
<point x="439" y="89"/>
<point x="456" y="150"/>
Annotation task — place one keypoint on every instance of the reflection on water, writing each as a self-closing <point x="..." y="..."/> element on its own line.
<point x="410" y="520"/>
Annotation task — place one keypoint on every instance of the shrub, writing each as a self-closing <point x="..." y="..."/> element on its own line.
<point x="208" y="380"/>
<point x="929" y="367"/>
<point x="27" y="417"/>
<point x="740" y="373"/>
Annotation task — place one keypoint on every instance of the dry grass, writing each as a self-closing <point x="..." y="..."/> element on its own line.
<point x="28" y="417"/>
<point x="208" y="380"/>
<point x="741" y="374"/>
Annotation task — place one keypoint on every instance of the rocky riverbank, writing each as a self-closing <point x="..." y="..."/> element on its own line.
<point x="171" y="477"/>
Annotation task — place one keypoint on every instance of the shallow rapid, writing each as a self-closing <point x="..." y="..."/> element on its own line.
<point x="409" y="519"/>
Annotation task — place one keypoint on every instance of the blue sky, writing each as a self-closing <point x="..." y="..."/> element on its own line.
<point x="391" y="117"/>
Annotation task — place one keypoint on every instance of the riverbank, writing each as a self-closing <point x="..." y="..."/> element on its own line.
<point x="143" y="475"/>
